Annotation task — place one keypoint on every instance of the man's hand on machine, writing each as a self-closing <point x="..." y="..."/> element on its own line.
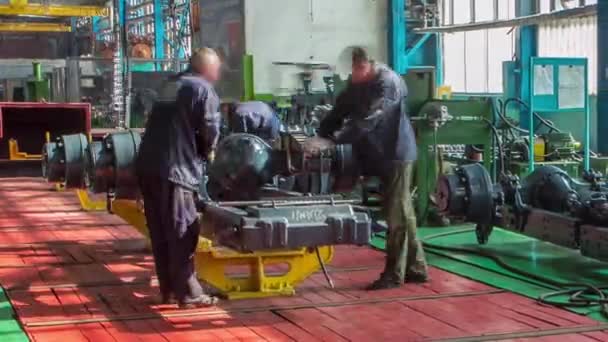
<point x="315" y="145"/>
<point x="211" y="156"/>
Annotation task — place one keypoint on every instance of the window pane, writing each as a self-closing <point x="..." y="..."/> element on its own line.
<point x="453" y="61"/>
<point x="476" y="71"/>
<point x="484" y="10"/>
<point x="462" y="11"/>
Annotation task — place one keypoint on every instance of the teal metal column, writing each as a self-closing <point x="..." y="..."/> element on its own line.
<point x="438" y="60"/>
<point x="159" y="30"/>
<point x="397" y="36"/>
<point x="602" y="76"/>
<point x="95" y="27"/>
<point x="527" y="48"/>
<point x="184" y="14"/>
<point x="121" y="12"/>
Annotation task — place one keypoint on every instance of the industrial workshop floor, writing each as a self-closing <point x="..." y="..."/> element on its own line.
<point x="68" y="275"/>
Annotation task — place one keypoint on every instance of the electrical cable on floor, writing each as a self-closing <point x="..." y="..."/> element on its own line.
<point x="581" y="295"/>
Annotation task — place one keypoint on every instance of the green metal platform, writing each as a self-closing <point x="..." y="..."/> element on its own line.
<point x="530" y="255"/>
<point x="10" y="330"/>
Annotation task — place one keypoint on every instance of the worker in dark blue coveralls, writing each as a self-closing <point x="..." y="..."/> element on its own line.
<point x="371" y="114"/>
<point x="181" y="135"/>
<point x="254" y="117"/>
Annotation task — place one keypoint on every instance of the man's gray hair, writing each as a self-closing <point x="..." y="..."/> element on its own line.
<point x="203" y="56"/>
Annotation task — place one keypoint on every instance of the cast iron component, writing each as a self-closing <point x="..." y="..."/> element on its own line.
<point x="245" y="163"/>
<point x="290" y="225"/>
<point x="548" y="205"/>
<point x="115" y="166"/>
<point x="65" y="160"/>
<point x="468" y="192"/>
<point x="52" y="169"/>
<point x="594" y="241"/>
<point x="92" y="155"/>
<point x="550" y="188"/>
<point x="74" y="147"/>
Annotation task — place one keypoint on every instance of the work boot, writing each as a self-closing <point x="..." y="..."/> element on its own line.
<point x="198" y="302"/>
<point x="383" y="283"/>
<point x="417" y="278"/>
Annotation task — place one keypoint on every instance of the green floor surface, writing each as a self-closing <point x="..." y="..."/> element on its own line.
<point x="10" y="330"/>
<point x="524" y="253"/>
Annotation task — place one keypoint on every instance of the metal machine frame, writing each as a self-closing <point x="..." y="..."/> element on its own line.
<point x="468" y="125"/>
<point x="213" y="263"/>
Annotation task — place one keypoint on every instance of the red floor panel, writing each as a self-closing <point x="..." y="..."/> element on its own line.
<point x="59" y="264"/>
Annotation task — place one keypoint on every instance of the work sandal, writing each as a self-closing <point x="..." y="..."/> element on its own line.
<point x="198" y="302"/>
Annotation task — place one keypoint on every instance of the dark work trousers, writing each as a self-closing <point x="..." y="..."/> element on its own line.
<point x="173" y="224"/>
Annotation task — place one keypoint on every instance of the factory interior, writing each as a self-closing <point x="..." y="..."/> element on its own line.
<point x="303" y="170"/>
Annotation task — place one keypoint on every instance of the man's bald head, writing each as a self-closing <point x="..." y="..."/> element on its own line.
<point x="207" y="63"/>
<point x="362" y="70"/>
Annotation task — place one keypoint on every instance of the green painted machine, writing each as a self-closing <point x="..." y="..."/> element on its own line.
<point x="443" y="123"/>
<point x="38" y="87"/>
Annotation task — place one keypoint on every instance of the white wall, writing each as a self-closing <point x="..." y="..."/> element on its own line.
<point x="575" y="37"/>
<point x="310" y="30"/>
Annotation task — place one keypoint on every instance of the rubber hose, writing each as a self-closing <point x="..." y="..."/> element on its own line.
<point x="581" y="295"/>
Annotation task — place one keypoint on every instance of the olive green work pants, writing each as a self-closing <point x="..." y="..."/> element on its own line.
<point x="404" y="253"/>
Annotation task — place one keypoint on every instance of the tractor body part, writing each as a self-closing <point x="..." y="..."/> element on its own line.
<point x="245" y="163"/>
<point x="115" y="165"/>
<point x="223" y="268"/>
<point x="74" y="147"/>
<point x="259" y="228"/>
<point x="547" y="205"/>
<point x="64" y="160"/>
<point x="52" y="169"/>
<point x="468" y="192"/>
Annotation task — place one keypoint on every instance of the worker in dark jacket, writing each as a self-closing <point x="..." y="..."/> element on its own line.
<point x="370" y="114"/>
<point x="180" y="136"/>
<point x="254" y="117"/>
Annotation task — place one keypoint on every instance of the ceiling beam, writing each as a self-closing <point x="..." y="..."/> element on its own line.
<point x="34" y="27"/>
<point x="54" y="10"/>
<point x="533" y="19"/>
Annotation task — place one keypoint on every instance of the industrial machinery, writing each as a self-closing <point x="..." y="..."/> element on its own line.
<point x="547" y="204"/>
<point x="542" y="139"/>
<point x="439" y="126"/>
<point x="113" y="166"/>
<point x="334" y="163"/>
<point x="38" y="87"/>
<point x="64" y="161"/>
<point x="274" y="220"/>
<point x="68" y="161"/>
<point x="557" y="148"/>
<point x="304" y="103"/>
<point x="247" y="221"/>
